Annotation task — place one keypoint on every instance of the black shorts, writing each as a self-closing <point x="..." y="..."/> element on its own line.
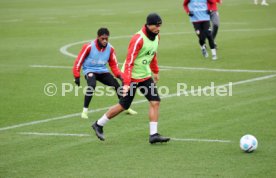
<point x="201" y="26"/>
<point x="104" y="78"/>
<point x="147" y="88"/>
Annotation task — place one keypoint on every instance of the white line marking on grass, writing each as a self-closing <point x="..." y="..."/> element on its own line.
<point x="54" y="67"/>
<point x="136" y="12"/>
<point x="11" y="20"/>
<point x="51" y="21"/>
<point x="49" y="120"/>
<point x="48" y="18"/>
<point x="199" y="140"/>
<point x="136" y="102"/>
<point x="53" y="134"/>
<point x="64" y="50"/>
<point x="87" y="135"/>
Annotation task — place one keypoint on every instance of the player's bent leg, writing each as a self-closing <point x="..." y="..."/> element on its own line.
<point x="215" y="23"/>
<point x="99" y="124"/>
<point x="209" y="36"/>
<point x="109" y="80"/>
<point x="91" y="84"/>
<point x="114" y="111"/>
<point x="198" y="31"/>
<point x="210" y="39"/>
<point x="123" y="104"/>
<point x="126" y="102"/>
<point x="202" y="38"/>
<point x="215" y="30"/>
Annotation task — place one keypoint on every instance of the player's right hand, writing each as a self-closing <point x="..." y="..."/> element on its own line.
<point x="155" y="78"/>
<point x="77" y="81"/>
<point x="125" y="90"/>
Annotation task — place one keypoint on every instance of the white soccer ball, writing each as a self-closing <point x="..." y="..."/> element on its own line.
<point x="248" y="143"/>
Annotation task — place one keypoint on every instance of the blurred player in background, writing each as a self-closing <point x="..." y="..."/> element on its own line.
<point x="264" y="3"/>
<point x="139" y="67"/>
<point x="93" y="59"/>
<point x="199" y="13"/>
<point x="214" y="14"/>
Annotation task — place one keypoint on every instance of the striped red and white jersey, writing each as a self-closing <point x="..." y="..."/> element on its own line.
<point x="135" y="45"/>
<point x="84" y="53"/>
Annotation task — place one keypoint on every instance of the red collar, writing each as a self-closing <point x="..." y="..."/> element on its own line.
<point x="144" y="30"/>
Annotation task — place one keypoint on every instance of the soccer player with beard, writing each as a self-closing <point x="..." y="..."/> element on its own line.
<point x="140" y="65"/>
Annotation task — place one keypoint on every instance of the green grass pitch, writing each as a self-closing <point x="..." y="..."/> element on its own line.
<point x="32" y="33"/>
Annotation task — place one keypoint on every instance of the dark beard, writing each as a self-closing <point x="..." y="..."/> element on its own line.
<point x="150" y="34"/>
<point x="100" y="45"/>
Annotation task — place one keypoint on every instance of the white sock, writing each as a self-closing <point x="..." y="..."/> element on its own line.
<point x="214" y="51"/>
<point x="153" y="128"/>
<point x="85" y="110"/>
<point x="264" y="1"/>
<point x="203" y="47"/>
<point x="103" y="120"/>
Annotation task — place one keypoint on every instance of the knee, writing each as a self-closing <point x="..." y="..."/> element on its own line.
<point x="124" y="105"/>
<point x="90" y="87"/>
<point x="155" y="104"/>
<point x="197" y="32"/>
<point x="91" y="83"/>
<point x="208" y="33"/>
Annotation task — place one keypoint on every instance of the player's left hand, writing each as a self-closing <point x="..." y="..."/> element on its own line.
<point x="77" y="81"/>
<point x="155" y="78"/>
<point x="191" y="14"/>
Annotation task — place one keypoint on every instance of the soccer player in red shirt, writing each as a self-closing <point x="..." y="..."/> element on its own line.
<point x="93" y="59"/>
<point x="199" y="14"/>
<point x="140" y="71"/>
